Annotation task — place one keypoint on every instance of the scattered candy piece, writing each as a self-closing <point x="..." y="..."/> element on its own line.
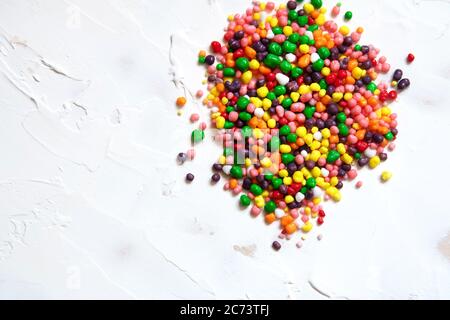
<point x="190" y="177"/>
<point x="182" y="157"/>
<point x="348" y="15"/>
<point x="359" y="184"/>
<point x="410" y="58"/>
<point x="181" y="102"/>
<point x="276" y="245"/>
<point x="386" y="176"/>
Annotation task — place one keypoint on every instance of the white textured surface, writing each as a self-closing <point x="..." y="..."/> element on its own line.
<point x="92" y="204"/>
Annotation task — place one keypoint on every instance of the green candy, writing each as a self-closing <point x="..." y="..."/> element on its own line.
<point x="229" y="109"/>
<point x="279" y="90"/>
<point x="310" y="183"/>
<point x="285" y="130"/>
<point x="256" y="190"/>
<point x="292" y="15"/>
<point x="287" y="158"/>
<point x="268" y="176"/>
<point x="245" y="116"/>
<point x="304" y="39"/>
<point x="270" y="207"/>
<point x="227" y="152"/>
<point x="304" y="190"/>
<point x="371" y="87"/>
<point x="229" y="72"/>
<point x="316" y="3"/>
<point x="323" y="52"/>
<point x="302" y="21"/>
<point x="296" y="72"/>
<point x="333" y="156"/>
<point x="228" y="125"/>
<point x="275" y="48"/>
<point x="272" y="60"/>
<point x="348" y="15"/>
<point x="357" y="47"/>
<point x="242" y="103"/>
<point x="287" y="103"/>
<point x="277" y="30"/>
<point x="323" y="84"/>
<point x="274" y="144"/>
<point x="285" y="66"/>
<point x="357" y="156"/>
<point x="309" y="111"/>
<point x="197" y="135"/>
<point x="236" y="172"/>
<point x="245" y="200"/>
<point x="242" y="64"/>
<point x="276" y="183"/>
<point x="219" y="67"/>
<point x="311" y="42"/>
<point x="341" y="117"/>
<point x="318" y="65"/>
<point x="313" y="27"/>
<point x="201" y="60"/>
<point x="343" y="129"/>
<point x="291" y="138"/>
<point x="246" y="131"/>
<point x="271" y="96"/>
<point x="294" y="38"/>
<point x="289" y="47"/>
<point x="389" y="136"/>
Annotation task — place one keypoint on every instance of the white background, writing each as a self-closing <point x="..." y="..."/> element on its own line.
<point x="93" y="205"/>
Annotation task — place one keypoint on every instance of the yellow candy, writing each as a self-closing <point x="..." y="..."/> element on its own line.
<point x="298" y="177"/>
<point x="256" y="101"/>
<point x="326" y="71"/>
<point x="348" y="96"/>
<point x="326" y="133"/>
<point x="337" y="96"/>
<point x="289" y="199"/>
<point x="316" y="172"/>
<point x="220" y="122"/>
<point x="374" y="162"/>
<point x="304" y="48"/>
<point x="386" y="176"/>
<point x="315" y="87"/>
<point x="346" y="158"/>
<point x="254" y="64"/>
<point x="262" y="92"/>
<point x="271" y="123"/>
<point x="246" y="77"/>
<point x="295" y="96"/>
<point x="259" y="201"/>
<point x="344" y="30"/>
<point x="321" y="20"/>
<point x="267" y="104"/>
<point x="307" y="227"/>
<point x="248" y="162"/>
<point x="315" y="155"/>
<point x="287" y="181"/>
<point x="301" y="132"/>
<point x="334" y="181"/>
<point x="315" y="145"/>
<point x="283" y="173"/>
<point x="341" y="148"/>
<point x="287" y="30"/>
<point x="258" y="133"/>
<point x="357" y="73"/>
<point x="308" y="7"/>
<point x="266" y="162"/>
<point x="284" y="148"/>
<point x="222" y="160"/>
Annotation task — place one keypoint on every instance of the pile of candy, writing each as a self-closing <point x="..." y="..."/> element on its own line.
<point x="297" y="104"/>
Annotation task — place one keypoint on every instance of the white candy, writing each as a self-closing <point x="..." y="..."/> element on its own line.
<point x="317" y="192"/>
<point x="325" y="172"/>
<point x="304" y="153"/>
<point x="282" y="79"/>
<point x="270" y="34"/>
<point x="370" y="153"/>
<point x="226" y="169"/>
<point x="291" y="57"/>
<point x="279" y="213"/>
<point x="299" y="197"/>
<point x="318" y="136"/>
<point x="259" y="112"/>
<point x="214" y="109"/>
<point x="314" y="57"/>
<point x="309" y="34"/>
